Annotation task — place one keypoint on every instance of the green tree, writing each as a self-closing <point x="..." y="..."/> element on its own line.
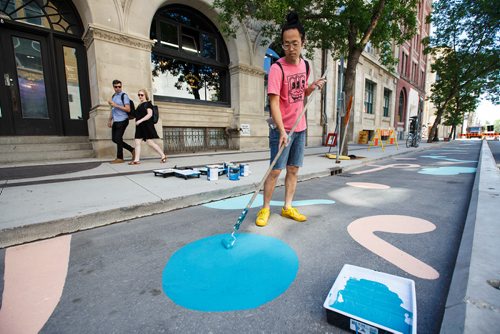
<point x="497" y="126"/>
<point x="343" y="27"/>
<point x="462" y="103"/>
<point x="466" y="46"/>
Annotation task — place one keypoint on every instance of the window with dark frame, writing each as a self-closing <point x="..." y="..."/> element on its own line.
<point x="401" y="106"/>
<point x="387" y="99"/>
<point x="369" y="93"/>
<point x="189" y="60"/>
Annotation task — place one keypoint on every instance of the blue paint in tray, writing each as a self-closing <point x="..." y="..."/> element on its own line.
<point x="375" y="302"/>
<point x="372" y="298"/>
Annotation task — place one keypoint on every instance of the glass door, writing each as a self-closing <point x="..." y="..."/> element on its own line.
<point x="73" y="90"/>
<point x="27" y="92"/>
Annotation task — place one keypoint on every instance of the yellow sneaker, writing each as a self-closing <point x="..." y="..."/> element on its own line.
<point x="263" y="217"/>
<point x="293" y="214"/>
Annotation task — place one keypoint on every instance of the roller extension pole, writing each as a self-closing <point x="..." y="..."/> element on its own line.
<point x="229" y="243"/>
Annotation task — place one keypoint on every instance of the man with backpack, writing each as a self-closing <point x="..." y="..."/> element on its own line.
<point x="118" y="120"/>
<point x="287" y="89"/>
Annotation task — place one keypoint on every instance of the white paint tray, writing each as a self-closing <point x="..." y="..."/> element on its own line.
<point x="372" y="302"/>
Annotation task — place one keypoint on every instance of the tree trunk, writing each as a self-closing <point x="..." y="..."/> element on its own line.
<point x="433" y="135"/>
<point x="452" y="133"/>
<point x="350" y="77"/>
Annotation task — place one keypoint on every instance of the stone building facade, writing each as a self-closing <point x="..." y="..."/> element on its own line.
<point x="61" y="57"/>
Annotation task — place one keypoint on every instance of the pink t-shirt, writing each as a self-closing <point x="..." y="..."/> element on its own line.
<point x="291" y="91"/>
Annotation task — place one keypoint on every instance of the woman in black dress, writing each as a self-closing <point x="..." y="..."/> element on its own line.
<point x="145" y="128"/>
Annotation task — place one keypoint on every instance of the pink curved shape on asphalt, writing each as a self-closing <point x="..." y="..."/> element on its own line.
<point x="366" y="185"/>
<point x="33" y="284"/>
<point x="362" y="230"/>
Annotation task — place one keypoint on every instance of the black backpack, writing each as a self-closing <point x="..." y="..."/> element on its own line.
<point x="156" y="114"/>
<point x="131" y="114"/>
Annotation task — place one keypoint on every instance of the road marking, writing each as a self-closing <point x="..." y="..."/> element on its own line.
<point x="363" y="231"/>
<point x="240" y="202"/>
<point x="443" y="157"/>
<point x="447" y="170"/>
<point x="34" y="279"/>
<point x="378" y="168"/>
<point x="205" y="276"/>
<point x="366" y="185"/>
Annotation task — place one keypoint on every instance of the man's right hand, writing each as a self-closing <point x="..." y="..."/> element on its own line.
<point x="283" y="138"/>
<point x="110" y="123"/>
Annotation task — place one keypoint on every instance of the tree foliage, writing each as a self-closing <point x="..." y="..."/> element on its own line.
<point x="466" y="46"/>
<point x="342" y="26"/>
<point x="497" y="125"/>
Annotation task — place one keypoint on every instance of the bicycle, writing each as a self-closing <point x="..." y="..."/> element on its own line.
<point x="413" y="140"/>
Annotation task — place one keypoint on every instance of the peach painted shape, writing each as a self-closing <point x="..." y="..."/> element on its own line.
<point x="366" y="185"/>
<point x="34" y="278"/>
<point x="377" y="168"/>
<point x="362" y="230"/>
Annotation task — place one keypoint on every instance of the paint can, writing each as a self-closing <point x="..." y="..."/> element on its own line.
<point x="244" y="169"/>
<point x="226" y="168"/>
<point x="234" y="173"/>
<point x="212" y="173"/>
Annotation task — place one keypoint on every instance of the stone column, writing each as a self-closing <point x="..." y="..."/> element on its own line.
<point x="113" y="55"/>
<point x="247" y="99"/>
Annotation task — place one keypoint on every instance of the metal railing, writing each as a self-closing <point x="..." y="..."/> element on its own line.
<point x="180" y="140"/>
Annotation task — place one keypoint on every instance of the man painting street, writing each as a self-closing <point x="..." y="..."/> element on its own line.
<point x="287" y="90"/>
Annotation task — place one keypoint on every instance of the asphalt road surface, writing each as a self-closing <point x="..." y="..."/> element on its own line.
<point x="169" y="273"/>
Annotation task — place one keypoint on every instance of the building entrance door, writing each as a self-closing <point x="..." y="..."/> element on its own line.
<point x="44" y="85"/>
<point x="27" y="90"/>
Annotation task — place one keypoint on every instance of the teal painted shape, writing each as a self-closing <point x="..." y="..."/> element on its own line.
<point x="205" y="276"/>
<point x="240" y="202"/>
<point x="443" y="157"/>
<point x="375" y="302"/>
<point x="447" y="170"/>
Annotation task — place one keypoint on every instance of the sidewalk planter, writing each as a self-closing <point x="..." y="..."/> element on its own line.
<point x="368" y="301"/>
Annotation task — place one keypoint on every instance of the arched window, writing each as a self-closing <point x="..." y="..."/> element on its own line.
<point x="51" y="14"/>
<point x="189" y="59"/>
<point x="401" y="106"/>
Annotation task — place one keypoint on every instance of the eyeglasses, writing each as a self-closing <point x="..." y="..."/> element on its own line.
<point x="140" y="94"/>
<point x="117" y="86"/>
<point x="289" y="46"/>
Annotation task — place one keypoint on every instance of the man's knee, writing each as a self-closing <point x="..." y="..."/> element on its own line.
<point x="275" y="173"/>
<point x="292" y="170"/>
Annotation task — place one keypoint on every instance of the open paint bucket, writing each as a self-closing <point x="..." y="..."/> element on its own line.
<point x="234" y="173"/>
<point x="244" y="169"/>
<point x="212" y="173"/>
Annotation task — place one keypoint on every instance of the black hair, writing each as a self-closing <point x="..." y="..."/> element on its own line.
<point x="293" y="22"/>
<point x="116" y="81"/>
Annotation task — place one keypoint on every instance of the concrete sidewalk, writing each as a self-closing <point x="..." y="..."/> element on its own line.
<point x="42" y="207"/>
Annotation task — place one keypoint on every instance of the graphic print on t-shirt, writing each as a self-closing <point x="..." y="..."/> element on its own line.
<point x="296" y="86"/>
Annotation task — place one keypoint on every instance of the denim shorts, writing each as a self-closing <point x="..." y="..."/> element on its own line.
<point x="293" y="154"/>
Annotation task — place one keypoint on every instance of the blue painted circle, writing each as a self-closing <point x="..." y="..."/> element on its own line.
<point x="205" y="276"/>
